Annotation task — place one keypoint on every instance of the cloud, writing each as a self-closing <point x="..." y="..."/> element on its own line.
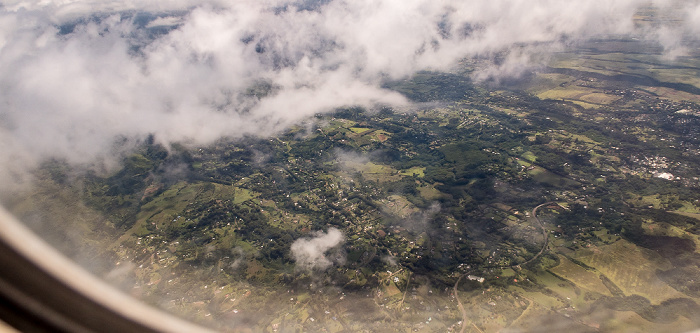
<point x="350" y="161"/>
<point x="76" y="75"/>
<point x="420" y="221"/>
<point x="320" y="251"/>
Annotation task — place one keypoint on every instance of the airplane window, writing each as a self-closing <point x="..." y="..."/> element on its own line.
<point x="342" y="166"/>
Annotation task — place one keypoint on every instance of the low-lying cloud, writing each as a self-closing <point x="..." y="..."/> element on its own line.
<point x="420" y="221"/>
<point x="76" y="75"/>
<point x="319" y="252"/>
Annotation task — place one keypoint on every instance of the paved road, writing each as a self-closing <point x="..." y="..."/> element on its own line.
<point x="544" y="234"/>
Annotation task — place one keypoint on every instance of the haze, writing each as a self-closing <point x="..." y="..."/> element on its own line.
<point x="84" y="80"/>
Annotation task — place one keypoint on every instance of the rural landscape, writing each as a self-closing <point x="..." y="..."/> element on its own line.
<point x="567" y="199"/>
<point x="365" y="166"/>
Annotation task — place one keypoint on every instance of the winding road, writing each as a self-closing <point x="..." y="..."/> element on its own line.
<point x="544" y="234"/>
<point x="466" y="320"/>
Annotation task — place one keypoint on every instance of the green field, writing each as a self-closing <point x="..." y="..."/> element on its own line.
<point x="422" y="198"/>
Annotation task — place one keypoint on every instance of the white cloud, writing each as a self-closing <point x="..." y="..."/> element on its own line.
<point x="70" y="95"/>
<point x="166" y="21"/>
<point x="319" y="252"/>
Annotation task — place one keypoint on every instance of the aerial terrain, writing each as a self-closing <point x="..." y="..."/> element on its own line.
<point x="564" y="198"/>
